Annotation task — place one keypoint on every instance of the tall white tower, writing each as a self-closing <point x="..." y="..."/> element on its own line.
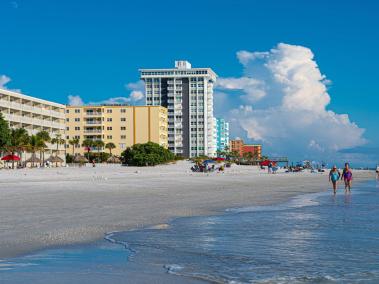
<point x="187" y="93"/>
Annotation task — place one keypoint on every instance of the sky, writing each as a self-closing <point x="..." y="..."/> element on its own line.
<point x="300" y="77"/>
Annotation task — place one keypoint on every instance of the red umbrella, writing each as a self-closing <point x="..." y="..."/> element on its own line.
<point x="265" y="163"/>
<point x="220" y="159"/>
<point x="11" y="158"/>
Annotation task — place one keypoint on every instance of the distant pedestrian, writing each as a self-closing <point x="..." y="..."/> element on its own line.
<point x="269" y="168"/>
<point x="377" y="172"/>
<point x="334" y="176"/>
<point x="347" y="176"/>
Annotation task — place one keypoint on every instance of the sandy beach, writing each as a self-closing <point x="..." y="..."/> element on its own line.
<point x="40" y="208"/>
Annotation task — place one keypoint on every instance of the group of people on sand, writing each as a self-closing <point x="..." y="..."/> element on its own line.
<point x="346" y="176"/>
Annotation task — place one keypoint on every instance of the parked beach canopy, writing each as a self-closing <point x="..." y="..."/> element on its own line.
<point x="11" y="158"/>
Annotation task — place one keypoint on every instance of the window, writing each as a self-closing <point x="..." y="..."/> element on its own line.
<point x="123" y="110"/>
<point x="109" y="128"/>
<point x="67" y="111"/>
<point x="109" y="119"/>
<point x="77" y="128"/>
<point x="67" y="137"/>
<point x="109" y="136"/>
<point x="67" y="119"/>
<point x="77" y="110"/>
<point x="67" y="128"/>
<point x="77" y="137"/>
<point x="122" y="145"/>
<point x="123" y="118"/>
<point x="123" y="137"/>
<point x="109" y="111"/>
<point x="77" y="119"/>
<point x="123" y="128"/>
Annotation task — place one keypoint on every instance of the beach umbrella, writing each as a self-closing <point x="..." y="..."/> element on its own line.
<point x="11" y="158"/>
<point x="265" y="163"/>
<point x="209" y="161"/>
<point x="220" y="159"/>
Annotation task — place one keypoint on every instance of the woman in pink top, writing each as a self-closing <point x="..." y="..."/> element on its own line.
<point x="347" y="176"/>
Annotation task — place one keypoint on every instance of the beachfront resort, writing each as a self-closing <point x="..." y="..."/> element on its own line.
<point x="177" y="115"/>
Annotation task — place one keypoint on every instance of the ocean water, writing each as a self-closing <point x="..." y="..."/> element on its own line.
<point x="314" y="238"/>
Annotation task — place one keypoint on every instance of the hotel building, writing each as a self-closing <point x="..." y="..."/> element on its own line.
<point x="120" y="124"/>
<point x="240" y="147"/>
<point x="222" y="133"/>
<point x="187" y="93"/>
<point x="34" y="115"/>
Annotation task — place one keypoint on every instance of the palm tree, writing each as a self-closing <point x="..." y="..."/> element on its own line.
<point x="73" y="142"/>
<point x="18" y="140"/>
<point x="35" y="144"/>
<point x="110" y="146"/>
<point x="98" y="144"/>
<point x="45" y="138"/>
<point x="59" y="141"/>
<point x="88" y="144"/>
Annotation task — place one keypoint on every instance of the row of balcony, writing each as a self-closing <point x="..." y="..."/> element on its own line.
<point x="32" y="109"/>
<point x="33" y="121"/>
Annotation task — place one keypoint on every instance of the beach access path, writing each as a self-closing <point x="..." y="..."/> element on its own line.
<point x="40" y="208"/>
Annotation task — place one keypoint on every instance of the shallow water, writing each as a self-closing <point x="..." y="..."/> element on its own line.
<point x="315" y="238"/>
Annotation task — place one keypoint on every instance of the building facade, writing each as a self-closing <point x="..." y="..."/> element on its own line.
<point x="34" y="115"/>
<point x="187" y="93"/>
<point x="120" y="124"/>
<point x="222" y="134"/>
<point x="241" y="148"/>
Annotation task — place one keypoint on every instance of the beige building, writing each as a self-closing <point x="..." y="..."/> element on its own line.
<point x="120" y="124"/>
<point x="34" y="115"/>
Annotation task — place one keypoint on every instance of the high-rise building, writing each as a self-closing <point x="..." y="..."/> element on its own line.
<point x="34" y="115"/>
<point x="187" y="93"/>
<point x="122" y="125"/>
<point x="222" y="134"/>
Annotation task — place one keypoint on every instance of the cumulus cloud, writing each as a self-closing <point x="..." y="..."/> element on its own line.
<point x="75" y="100"/>
<point x="4" y="80"/>
<point x="284" y="103"/>
<point x="135" y="96"/>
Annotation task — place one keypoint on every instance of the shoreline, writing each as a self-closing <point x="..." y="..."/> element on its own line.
<point x="173" y="195"/>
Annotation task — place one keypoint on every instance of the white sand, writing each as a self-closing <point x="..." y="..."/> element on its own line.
<point x="48" y="207"/>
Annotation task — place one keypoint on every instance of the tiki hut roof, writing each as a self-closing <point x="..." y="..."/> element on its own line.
<point x="33" y="159"/>
<point x="80" y="159"/>
<point x="114" y="160"/>
<point x="55" y="159"/>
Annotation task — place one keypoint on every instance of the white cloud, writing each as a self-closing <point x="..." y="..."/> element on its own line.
<point x="4" y="80"/>
<point x="284" y="104"/>
<point x="136" y="96"/>
<point x="75" y="100"/>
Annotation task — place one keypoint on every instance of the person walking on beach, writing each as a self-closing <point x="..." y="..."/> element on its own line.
<point x="347" y="176"/>
<point x="334" y="176"/>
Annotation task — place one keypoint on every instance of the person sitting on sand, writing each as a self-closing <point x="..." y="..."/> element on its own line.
<point x="334" y="176"/>
<point x="347" y="176"/>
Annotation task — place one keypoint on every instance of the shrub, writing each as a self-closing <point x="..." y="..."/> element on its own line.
<point x="147" y="154"/>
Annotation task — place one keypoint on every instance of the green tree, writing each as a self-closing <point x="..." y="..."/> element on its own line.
<point x="35" y="144"/>
<point x="18" y="141"/>
<point x="148" y="154"/>
<point x="110" y="146"/>
<point x="73" y="142"/>
<point x="45" y="138"/>
<point x="98" y="144"/>
<point x="5" y="133"/>
<point x="58" y="140"/>
<point x="88" y="144"/>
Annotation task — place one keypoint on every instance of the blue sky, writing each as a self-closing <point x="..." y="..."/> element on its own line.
<point x="92" y="49"/>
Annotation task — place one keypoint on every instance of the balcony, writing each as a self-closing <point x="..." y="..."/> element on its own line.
<point x="92" y="131"/>
<point x="93" y="122"/>
<point x="93" y="113"/>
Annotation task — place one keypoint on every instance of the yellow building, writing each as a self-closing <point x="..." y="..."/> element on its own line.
<point x="120" y="124"/>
